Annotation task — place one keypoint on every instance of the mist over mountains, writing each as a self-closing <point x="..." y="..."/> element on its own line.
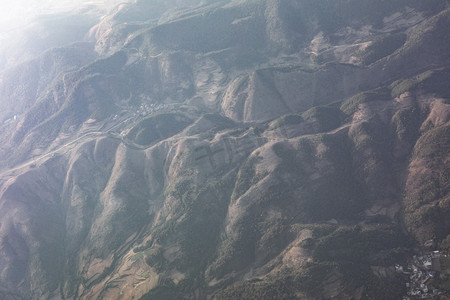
<point x="240" y="149"/>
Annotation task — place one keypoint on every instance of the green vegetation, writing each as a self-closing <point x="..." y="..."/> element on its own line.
<point x="406" y="123"/>
<point x="220" y="122"/>
<point x="308" y="283"/>
<point x="246" y="177"/>
<point x="334" y="198"/>
<point x="110" y="65"/>
<point x="376" y="138"/>
<point x="434" y="143"/>
<point x="445" y="263"/>
<point x="327" y="118"/>
<point x="360" y="245"/>
<point x="157" y="127"/>
<point x="163" y="293"/>
<point x="194" y="228"/>
<point x="336" y="195"/>
<point x="335" y="14"/>
<point x="382" y="47"/>
<point x="286" y="284"/>
<point x="275" y="235"/>
<point x="155" y="258"/>
<point x="383" y="288"/>
<point x="427" y="201"/>
<point x="426" y="222"/>
<point x="433" y="81"/>
<point x="284" y="121"/>
<point x="199" y="230"/>
<point x="354" y="249"/>
<point x="238" y="251"/>
<point x="350" y="106"/>
<point x="445" y="244"/>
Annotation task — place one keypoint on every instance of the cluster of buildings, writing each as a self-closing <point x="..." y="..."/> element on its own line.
<point x="421" y="273"/>
<point x="146" y="109"/>
<point x="142" y="111"/>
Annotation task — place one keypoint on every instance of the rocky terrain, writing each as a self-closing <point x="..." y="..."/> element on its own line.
<point x="240" y="149"/>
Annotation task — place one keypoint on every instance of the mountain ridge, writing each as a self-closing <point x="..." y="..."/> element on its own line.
<point x="228" y="150"/>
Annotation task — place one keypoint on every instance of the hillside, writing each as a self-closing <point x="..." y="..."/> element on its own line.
<point x="239" y="149"/>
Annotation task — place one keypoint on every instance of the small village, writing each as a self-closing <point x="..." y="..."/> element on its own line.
<point x="421" y="274"/>
<point x="144" y="110"/>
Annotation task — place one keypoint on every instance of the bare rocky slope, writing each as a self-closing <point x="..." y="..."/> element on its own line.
<point x="228" y="150"/>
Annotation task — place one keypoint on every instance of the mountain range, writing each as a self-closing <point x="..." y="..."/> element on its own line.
<point x="228" y="149"/>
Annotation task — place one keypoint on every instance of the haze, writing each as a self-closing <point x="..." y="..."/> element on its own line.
<point x="15" y="14"/>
